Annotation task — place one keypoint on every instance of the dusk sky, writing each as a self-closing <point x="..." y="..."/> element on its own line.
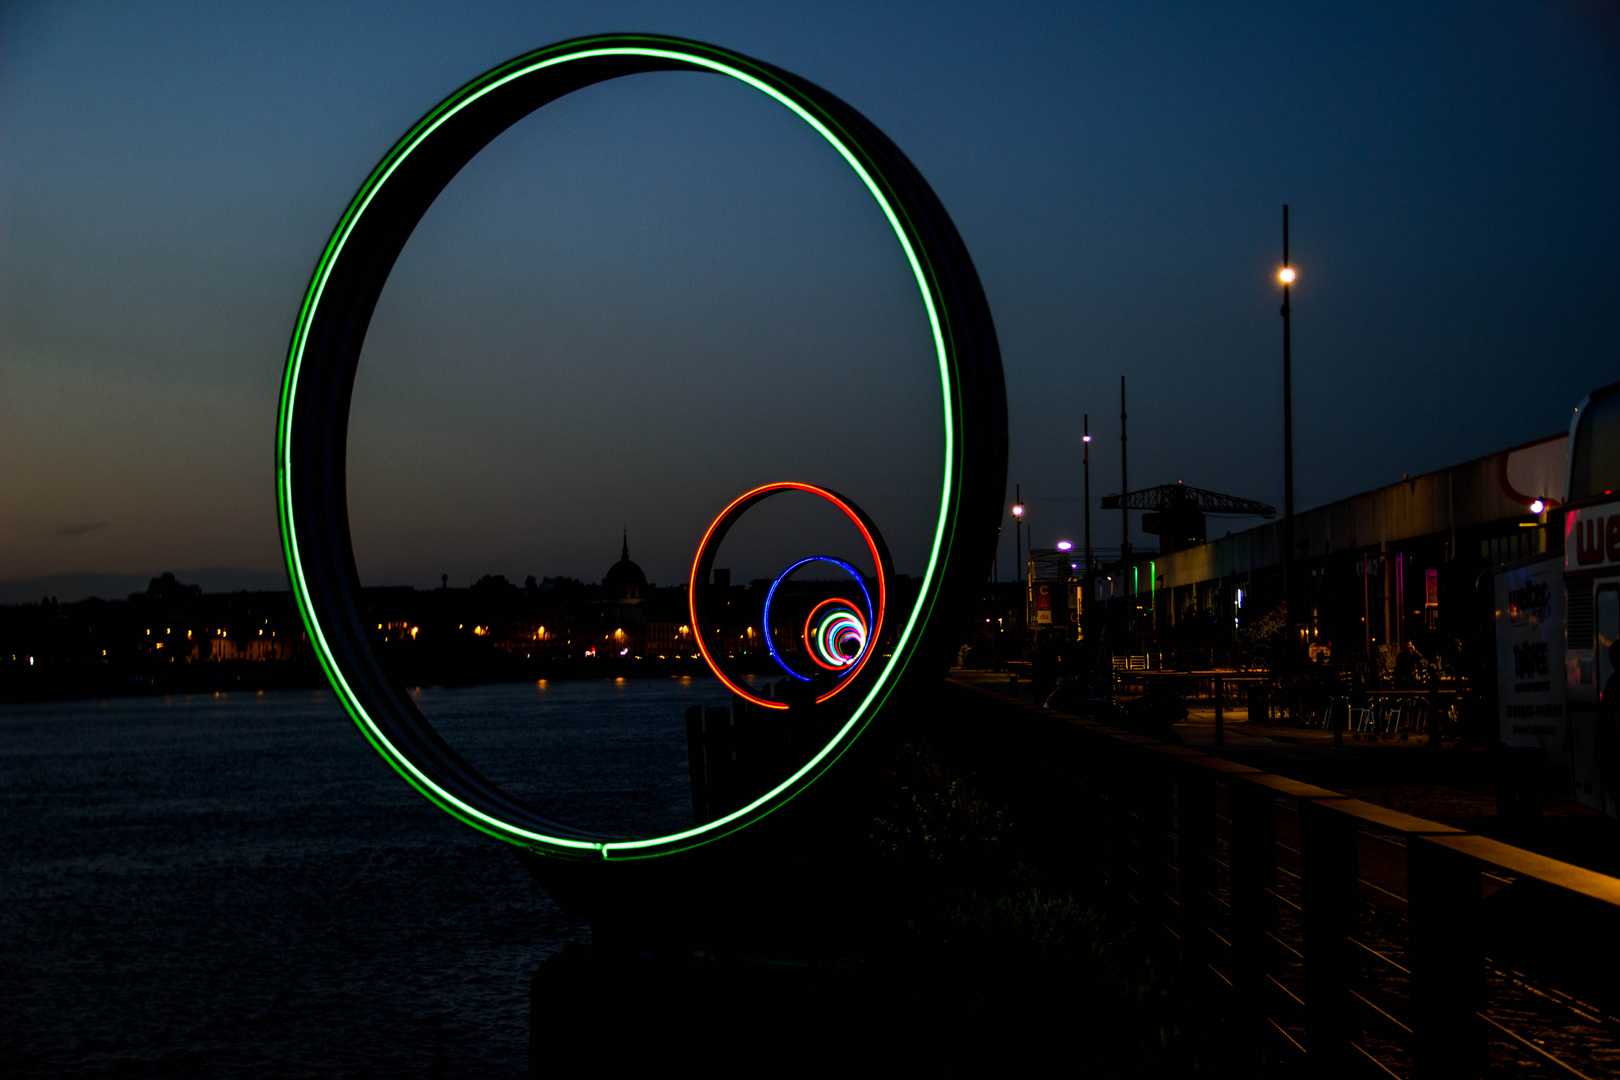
<point x="659" y="292"/>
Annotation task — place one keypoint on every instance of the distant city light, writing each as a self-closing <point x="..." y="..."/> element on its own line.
<point x="1064" y="545"/>
<point x="1286" y="275"/>
<point x="1538" y="506"/>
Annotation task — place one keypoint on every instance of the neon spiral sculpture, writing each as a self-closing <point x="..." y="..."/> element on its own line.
<point x="324" y="355"/>
<point x="703" y="565"/>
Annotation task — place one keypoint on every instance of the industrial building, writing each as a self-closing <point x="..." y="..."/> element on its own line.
<point x="1406" y="563"/>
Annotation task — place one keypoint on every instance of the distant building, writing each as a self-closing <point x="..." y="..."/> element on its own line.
<point x="624" y="583"/>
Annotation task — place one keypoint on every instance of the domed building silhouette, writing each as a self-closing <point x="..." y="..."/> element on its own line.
<point x="624" y="583"/>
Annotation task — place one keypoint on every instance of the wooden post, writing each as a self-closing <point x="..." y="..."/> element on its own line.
<point x="694" y="764"/>
<point x="1155" y="810"/>
<point x="744" y="748"/>
<point x="1448" y="966"/>
<point x="1434" y="712"/>
<point x="1195" y="868"/>
<point x="721" y="774"/>
<point x="1114" y="787"/>
<point x="1253" y="854"/>
<point x="1330" y="891"/>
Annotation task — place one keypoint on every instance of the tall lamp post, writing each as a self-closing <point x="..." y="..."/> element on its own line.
<point x="1085" y="438"/>
<point x="1124" y="483"/>
<point x="1018" y="552"/>
<point x="1286" y="275"/>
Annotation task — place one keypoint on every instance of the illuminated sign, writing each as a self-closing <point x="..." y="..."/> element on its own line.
<point x="1592" y="537"/>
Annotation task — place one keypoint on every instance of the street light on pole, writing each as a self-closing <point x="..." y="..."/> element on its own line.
<point x="1018" y="552"/>
<point x="1085" y="438"/>
<point x="1286" y="275"/>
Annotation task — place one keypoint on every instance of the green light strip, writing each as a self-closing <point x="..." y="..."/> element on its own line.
<point x="419" y="780"/>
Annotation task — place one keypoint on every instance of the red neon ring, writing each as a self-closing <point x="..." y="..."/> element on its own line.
<point x="703" y="563"/>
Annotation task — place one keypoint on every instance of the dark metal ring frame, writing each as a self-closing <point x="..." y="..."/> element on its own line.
<point x="312" y="425"/>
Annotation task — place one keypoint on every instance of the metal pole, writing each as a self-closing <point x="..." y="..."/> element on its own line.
<point x="1124" y="482"/>
<point x="1086" y="432"/>
<point x="1288" y="441"/>
<point x="1018" y="555"/>
<point x="1124" y="513"/>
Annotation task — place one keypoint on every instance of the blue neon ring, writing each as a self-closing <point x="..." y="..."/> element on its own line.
<point x="871" y="615"/>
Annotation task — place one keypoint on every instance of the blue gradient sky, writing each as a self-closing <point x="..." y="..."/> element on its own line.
<point x="658" y="292"/>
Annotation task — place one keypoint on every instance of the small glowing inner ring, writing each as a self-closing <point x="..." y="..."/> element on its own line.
<point x="825" y="641"/>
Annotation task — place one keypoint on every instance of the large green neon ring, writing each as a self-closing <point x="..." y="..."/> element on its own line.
<point x="312" y="428"/>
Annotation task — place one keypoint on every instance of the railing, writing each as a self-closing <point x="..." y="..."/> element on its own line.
<point x="1340" y="936"/>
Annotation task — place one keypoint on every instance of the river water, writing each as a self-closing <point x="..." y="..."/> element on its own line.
<point x="236" y="885"/>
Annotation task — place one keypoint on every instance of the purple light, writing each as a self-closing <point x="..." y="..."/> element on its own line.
<point x="1064" y="545"/>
